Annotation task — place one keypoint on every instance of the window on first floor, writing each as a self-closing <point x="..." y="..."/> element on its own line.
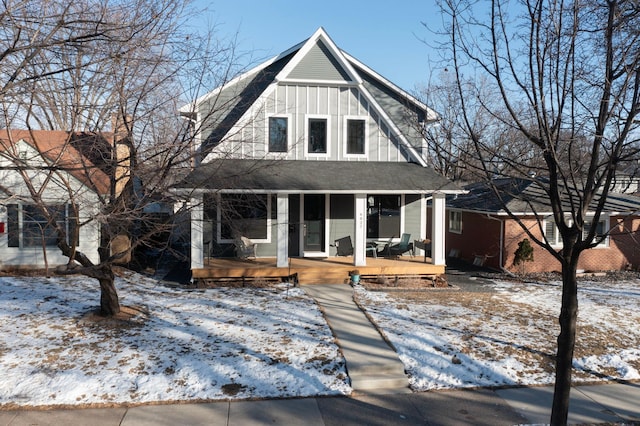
<point x="552" y="233"/>
<point x="356" y="136"/>
<point x="244" y="215"/>
<point x="278" y="134"/>
<point x="383" y="216"/>
<point x="28" y="226"/>
<point x="601" y="231"/>
<point x="455" y="221"/>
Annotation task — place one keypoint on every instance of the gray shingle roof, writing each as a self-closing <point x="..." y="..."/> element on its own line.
<point x="235" y="99"/>
<point x="316" y="176"/>
<point x="523" y="196"/>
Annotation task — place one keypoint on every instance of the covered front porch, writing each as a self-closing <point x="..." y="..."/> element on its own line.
<point x="314" y="270"/>
<point x="298" y="210"/>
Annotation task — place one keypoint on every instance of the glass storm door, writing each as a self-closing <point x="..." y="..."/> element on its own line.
<point x="314" y="222"/>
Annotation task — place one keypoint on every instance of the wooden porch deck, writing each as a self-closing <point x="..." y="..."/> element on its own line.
<point x="330" y="270"/>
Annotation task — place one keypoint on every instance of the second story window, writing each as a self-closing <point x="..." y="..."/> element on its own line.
<point x="278" y="141"/>
<point x="355" y="136"/>
<point x="317" y="136"/>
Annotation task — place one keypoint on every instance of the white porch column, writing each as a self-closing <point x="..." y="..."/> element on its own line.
<point x="360" y="231"/>
<point x="423" y="223"/>
<point x="197" y="225"/>
<point x="282" y="229"/>
<point x="439" y="222"/>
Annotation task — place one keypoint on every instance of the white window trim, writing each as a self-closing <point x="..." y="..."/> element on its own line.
<point x="289" y="135"/>
<point x="229" y="240"/>
<point x="306" y="136"/>
<point x="345" y="130"/>
<point x="558" y="240"/>
<point x="449" y="220"/>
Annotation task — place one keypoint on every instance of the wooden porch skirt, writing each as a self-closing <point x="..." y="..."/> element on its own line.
<point x="332" y="270"/>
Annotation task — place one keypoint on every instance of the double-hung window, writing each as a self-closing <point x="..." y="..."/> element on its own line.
<point x="317" y="130"/>
<point x="455" y="221"/>
<point x="355" y="134"/>
<point x="278" y="134"/>
<point x="552" y="233"/>
<point x="28" y="226"/>
<point x="601" y="231"/>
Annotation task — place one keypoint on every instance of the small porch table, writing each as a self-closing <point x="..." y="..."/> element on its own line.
<point x="424" y="245"/>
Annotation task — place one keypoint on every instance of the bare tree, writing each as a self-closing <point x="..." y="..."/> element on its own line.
<point x="111" y="74"/>
<point x="564" y="77"/>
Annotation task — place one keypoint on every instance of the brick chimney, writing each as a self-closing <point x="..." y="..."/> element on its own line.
<point x="122" y="130"/>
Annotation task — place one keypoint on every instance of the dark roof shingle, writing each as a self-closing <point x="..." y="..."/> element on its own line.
<point x="316" y="176"/>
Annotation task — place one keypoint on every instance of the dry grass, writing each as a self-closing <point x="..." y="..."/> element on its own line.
<point x="493" y="308"/>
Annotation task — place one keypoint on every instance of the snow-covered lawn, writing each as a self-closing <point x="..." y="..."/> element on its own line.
<point x="186" y="345"/>
<point x="463" y="339"/>
<point x="182" y="345"/>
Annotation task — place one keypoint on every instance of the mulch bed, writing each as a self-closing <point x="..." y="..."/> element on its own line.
<point x="383" y="283"/>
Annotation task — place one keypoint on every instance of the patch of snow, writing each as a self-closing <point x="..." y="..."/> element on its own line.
<point x="194" y="345"/>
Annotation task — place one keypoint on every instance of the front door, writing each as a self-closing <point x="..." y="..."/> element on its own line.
<point x="314" y="216"/>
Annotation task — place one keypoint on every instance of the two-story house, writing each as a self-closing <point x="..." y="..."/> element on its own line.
<point x="306" y="148"/>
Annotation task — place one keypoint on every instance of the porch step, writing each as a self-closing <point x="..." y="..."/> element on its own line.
<point x="325" y="277"/>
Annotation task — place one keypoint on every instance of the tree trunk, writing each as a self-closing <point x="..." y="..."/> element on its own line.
<point x="566" y="342"/>
<point x="109" y="303"/>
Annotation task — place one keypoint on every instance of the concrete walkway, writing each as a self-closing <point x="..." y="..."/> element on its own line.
<point x="373" y="366"/>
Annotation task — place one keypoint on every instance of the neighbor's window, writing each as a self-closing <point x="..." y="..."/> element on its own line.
<point x="244" y="215"/>
<point x="601" y="231"/>
<point x="551" y="233"/>
<point x="383" y="216"/>
<point x="29" y="227"/>
<point x="355" y="136"/>
<point x="317" y="136"/>
<point x="278" y="141"/>
<point x="455" y="221"/>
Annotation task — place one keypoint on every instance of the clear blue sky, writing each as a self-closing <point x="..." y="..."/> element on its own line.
<point x="385" y="36"/>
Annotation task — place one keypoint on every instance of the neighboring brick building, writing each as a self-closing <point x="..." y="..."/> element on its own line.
<point x="479" y="229"/>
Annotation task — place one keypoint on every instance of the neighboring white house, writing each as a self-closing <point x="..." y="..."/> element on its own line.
<point x="307" y="148"/>
<point x="58" y="172"/>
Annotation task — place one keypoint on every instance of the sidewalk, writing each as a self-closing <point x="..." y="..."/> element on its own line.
<point x="380" y="397"/>
<point x="613" y="403"/>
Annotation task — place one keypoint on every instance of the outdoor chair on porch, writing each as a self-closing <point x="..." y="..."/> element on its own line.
<point x="245" y="248"/>
<point x="395" y="250"/>
<point x="344" y="247"/>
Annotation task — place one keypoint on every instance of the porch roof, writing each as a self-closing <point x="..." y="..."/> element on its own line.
<point x="291" y="176"/>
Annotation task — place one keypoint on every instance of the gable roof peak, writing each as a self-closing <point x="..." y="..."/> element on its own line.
<point x="322" y="39"/>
